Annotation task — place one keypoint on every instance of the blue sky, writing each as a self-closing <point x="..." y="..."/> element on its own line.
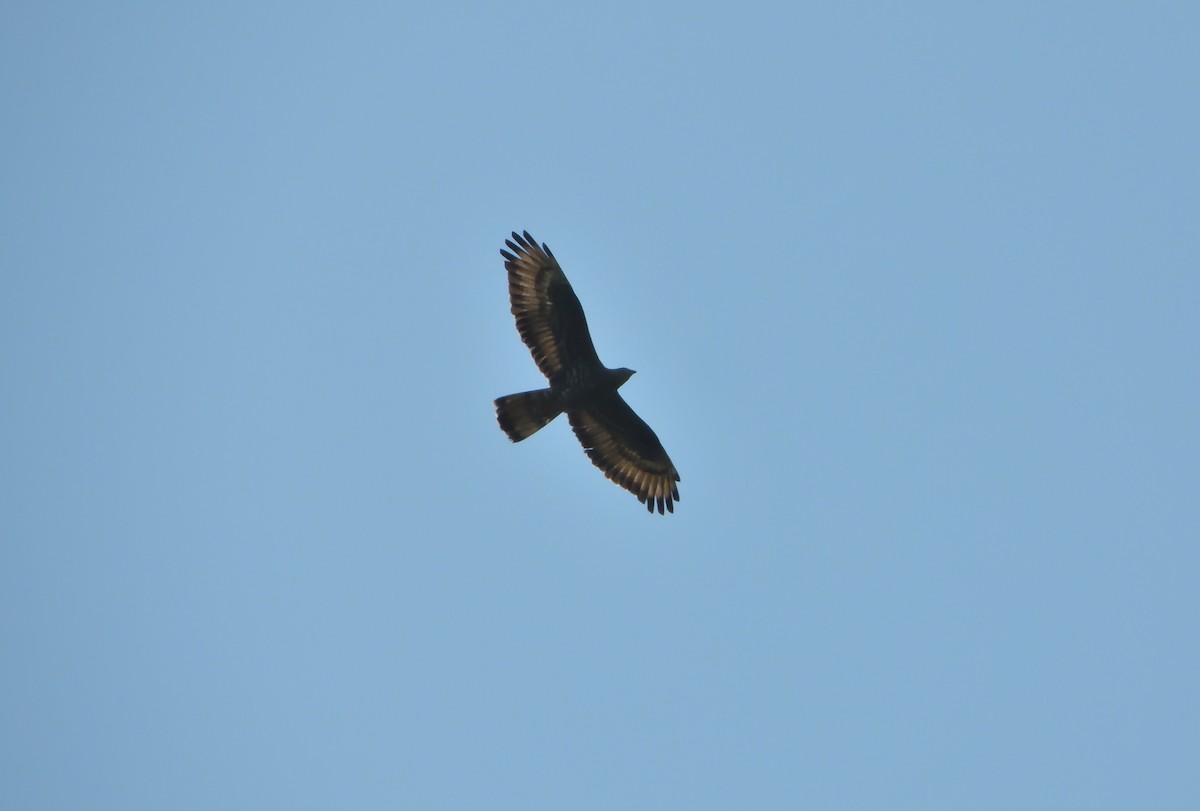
<point x="912" y="293"/>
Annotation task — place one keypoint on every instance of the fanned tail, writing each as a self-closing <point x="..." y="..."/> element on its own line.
<point x="522" y="415"/>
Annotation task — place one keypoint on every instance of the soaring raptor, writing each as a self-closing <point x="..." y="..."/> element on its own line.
<point x="551" y="322"/>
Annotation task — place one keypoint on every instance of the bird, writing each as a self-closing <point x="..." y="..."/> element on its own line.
<point x="551" y="322"/>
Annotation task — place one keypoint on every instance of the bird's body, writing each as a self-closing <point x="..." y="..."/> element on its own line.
<point x="551" y="322"/>
<point x="579" y="386"/>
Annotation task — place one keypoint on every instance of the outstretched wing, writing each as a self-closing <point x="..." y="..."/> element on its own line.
<point x="621" y="444"/>
<point x="549" y="316"/>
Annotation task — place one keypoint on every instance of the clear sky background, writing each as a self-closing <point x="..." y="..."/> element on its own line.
<point x="912" y="291"/>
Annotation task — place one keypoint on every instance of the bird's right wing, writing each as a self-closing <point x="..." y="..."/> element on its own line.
<point x="549" y="315"/>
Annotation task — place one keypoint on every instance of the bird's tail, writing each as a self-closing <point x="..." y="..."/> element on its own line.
<point x="522" y="415"/>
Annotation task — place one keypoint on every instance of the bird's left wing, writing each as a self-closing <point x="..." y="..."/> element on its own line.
<point x="622" y="445"/>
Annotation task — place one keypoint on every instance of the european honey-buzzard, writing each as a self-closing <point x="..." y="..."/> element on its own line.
<point x="551" y="322"/>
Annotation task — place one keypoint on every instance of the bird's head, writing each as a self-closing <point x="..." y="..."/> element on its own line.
<point x="621" y="375"/>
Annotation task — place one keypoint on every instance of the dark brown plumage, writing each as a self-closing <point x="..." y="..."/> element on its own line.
<point x="551" y="322"/>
